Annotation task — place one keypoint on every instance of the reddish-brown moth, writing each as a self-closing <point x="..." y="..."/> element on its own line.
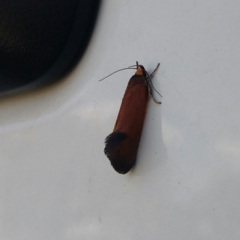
<point x="122" y="144"/>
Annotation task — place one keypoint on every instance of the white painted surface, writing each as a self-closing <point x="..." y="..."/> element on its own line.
<point x="55" y="180"/>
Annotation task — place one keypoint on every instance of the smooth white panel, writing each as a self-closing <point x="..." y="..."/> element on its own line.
<point x="55" y="180"/>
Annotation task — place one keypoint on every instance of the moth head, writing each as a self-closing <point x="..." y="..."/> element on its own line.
<point x="141" y="71"/>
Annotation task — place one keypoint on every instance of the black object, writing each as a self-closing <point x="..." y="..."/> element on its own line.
<point x="40" y="40"/>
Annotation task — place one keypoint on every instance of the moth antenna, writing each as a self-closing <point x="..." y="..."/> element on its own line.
<point x="137" y="65"/>
<point x="131" y="67"/>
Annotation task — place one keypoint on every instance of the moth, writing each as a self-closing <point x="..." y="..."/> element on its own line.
<point x="122" y="144"/>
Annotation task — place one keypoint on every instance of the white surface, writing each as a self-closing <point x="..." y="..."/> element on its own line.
<point x="55" y="180"/>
